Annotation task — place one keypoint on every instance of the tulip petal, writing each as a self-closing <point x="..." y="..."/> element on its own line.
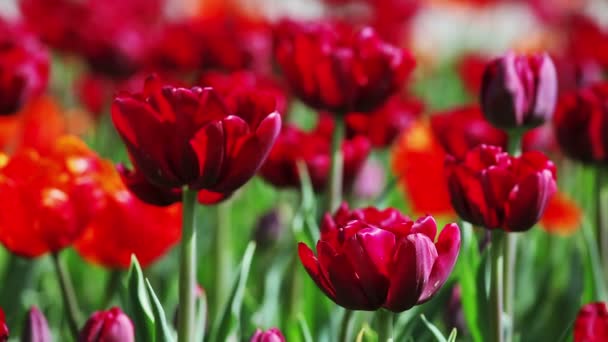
<point x="348" y="285"/>
<point x="311" y="264"/>
<point x="528" y="201"/>
<point x="208" y="145"/>
<point x="448" y="246"/>
<point x="425" y="225"/>
<point x="412" y="265"/>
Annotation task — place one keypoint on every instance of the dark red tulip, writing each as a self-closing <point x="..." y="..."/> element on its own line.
<point x="586" y="41"/>
<point x="581" y="124"/>
<point x="313" y="148"/>
<point x="36" y="328"/>
<point x="385" y="124"/>
<point x="24" y="68"/>
<point x="3" y="327"/>
<point x="150" y="193"/>
<point x="270" y="335"/>
<point x="460" y="130"/>
<point x="591" y="323"/>
<point x="194" y="137"/>
<point x="492" y="189"/>
<point x="332" y="68"/>
<point x="519" y="91"/>
<point x="108" y="326"/>
<point x="369" y="259"/>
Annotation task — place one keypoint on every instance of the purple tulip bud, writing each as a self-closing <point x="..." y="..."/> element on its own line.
<point x="36" y="328"/>
<point x="108" y="326"/>
<point x="268" y="229"/>
<point x="519" y="91"/>
<point x="270" y="335"/>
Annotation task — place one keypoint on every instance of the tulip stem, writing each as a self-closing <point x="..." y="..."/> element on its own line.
<point x="385" y="320"/>
<point x="187" y="269"/>
<point x="334" y="191"/>
<point x="496" y="285"/>
<point x="600" y="219"/>
<point x="222" y="250"/>
<point x="69" y="296"/>
<point x="344" y="324"/>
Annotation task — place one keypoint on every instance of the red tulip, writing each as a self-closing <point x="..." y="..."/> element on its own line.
<point x="332" y="68"/>
<point x="492" y="189"/>
<point x="370" y="258"/>
<point x="114" y="233"/>
<point x="3" y="327"/>
<point x="460" y="130"/>
<point x="384" y="125"/>
<point x="270" y="335"/>
<point x="193" y="137"/>
<point x="591" y="323"/>
<point x="108" y="326"/>
<point x="519" y="91"/>
<point x="48" y="199"/>
<point x="24" y="68"/>
<point x="581" y="123"/>
<point x="313" y="148"/>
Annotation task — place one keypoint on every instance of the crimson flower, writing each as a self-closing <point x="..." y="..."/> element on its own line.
<point x="270" y="335"/>
<point x="49" y="199"/>
<point x="519" y="91"/>
<point x="24" y="68"/>
<point x="581" y="123"/>
<point x="3" y="327"/>
<point x="313" y="148"/>
<point x="332" y="68"/>
<point x="110" y="325"/>
<point x="180" y="137"/>
<point x="385" y="124"/>
<point x="492" y="189"/>
<point x="370" y="258"/>
<point x="591" y="323"/>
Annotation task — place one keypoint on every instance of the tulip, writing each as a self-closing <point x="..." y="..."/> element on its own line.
<point x="591" y="323"/>
<point x="3" y="327"/>
<point x="312" y="148"/>
<point x="331" y="68"/>
<point x="370" y="259"/>
<point x="370" y="181"/>
<point x="193" y="137"/>
<point x="108" y="326"/>
<point x="268" y="229"/>
<point x="24" y="68"/>
<point x="270" y="335"/>
<point x="519" y="91"/>
<point x="581" y="123"/>
<point x="150" y="193"/>
<point x="492" y="189"/>
<point x="36" y="328"/>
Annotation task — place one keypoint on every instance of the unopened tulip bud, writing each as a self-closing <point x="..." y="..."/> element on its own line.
<point x="268" y="229"/>
<point x="270" y="335"/>
<point x="108" y="326"/>
<point x="35" y="328"/>
<point x="3" y="327"/>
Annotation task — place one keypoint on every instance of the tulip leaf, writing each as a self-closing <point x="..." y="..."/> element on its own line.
<point x="453" y="335"/>
<point x="228" y="324"/>
<point x="137" y="303"/>
<point x="366" y="334"/>
<point x="595" y="289"/>
<point x="201" y="317"/>
<point x="162" y="331"/>
<point x="304" y="329"/>
<point x="434" y="330"/>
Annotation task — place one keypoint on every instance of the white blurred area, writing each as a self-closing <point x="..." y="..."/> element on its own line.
<point x="441" y="29"/>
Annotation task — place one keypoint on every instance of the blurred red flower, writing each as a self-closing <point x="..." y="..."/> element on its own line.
<point x="470" y="68"/>
<point x="110" y="325"/>
<point x="591" y="323"/>
<point x="331" y="67"/>
<point x="24" y="67"/>
<point x="562" y="216"/>
<point x="385" y="124"/>
<point x="492" y="189"/>
<point x="3" y="327"/>
<point x="369" y="259"/>
<point x="581" y="123"/>
<point x="49" y="199"/>
<point x="312" y="148"/>
<point x="194" y="137"/>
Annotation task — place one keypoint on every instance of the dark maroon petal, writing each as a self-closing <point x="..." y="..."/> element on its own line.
<point x="311" y="264"/>
<point x="349" y="287"/>
<point x="208" y="145"/>
<point x="146" y="191"/>
<point x="448" y="246"/>
<point x="528" y="201"/>
<point x="412" y="265"/>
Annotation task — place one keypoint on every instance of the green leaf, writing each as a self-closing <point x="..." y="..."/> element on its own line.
<point x="137" y="304"/>
<point x="452" y="336"/>
<point x="434" y="330"/>
<point x="162" y="331"/>
<point x="304" y="329"/>
<point x="201" y="317"/>
<point x="228" y="325"/>
<point x="366" y="334"/>
<point x="595" y="289"/>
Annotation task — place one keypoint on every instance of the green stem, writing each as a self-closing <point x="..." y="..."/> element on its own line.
<point x="112" y="286"/>
<point x="344" y="324"/>
<point x="496" y="286"/>
<point x="222" y="255"/>
<point x="187" y="269"/>
<point x="600" y="221"/>
<point x="69" y="297"/>
<point x="385" y="320"/>
<point x="337" y="164"/>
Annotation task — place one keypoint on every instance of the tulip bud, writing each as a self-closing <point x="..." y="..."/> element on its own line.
<point x="35" y="328"/>
<point x="268" y="229"/>
<point x="270" y="335"/>
<point x="110" y="325"/>
<point x="3" y="327"/>
<point x="370" y="181"/>
<point x="519" y="91"/>
<point x="592" y="323"/>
